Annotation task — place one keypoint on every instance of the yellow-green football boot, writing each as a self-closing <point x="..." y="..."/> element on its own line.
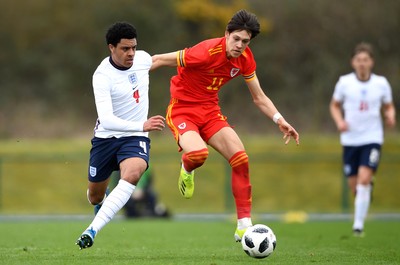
<point x="239" y="234"/>
<point x="186" y="183"/>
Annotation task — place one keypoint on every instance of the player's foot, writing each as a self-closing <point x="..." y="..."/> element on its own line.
<point x="86" y="239"/>
<point x="239" y="234"/>
<point x="358" y="233"/>
<point x="186" y="183"/>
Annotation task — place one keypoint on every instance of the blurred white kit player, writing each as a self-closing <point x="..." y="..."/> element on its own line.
<point x="362" y="103"/>
<point x="356" y="106"/>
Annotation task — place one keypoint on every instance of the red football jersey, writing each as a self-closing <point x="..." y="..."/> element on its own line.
<point x="204" y="68"/>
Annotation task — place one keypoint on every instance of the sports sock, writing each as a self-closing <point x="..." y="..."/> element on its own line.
<point x="194" y="159"/>
<point x="241" y="187"/>
<point x="112" y="204"/>
<point x="244" y="223"/>
<point x="361" y="205"/>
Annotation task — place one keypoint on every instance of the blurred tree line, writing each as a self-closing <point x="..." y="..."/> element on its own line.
<point x="50" y="49"/>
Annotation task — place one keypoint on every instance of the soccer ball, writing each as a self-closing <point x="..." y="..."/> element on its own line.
<point x="259" y="241"/>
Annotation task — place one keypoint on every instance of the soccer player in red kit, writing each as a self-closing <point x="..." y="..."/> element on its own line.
<point x="194" y="115"/>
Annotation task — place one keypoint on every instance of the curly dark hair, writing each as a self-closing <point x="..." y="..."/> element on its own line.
<point x="244" y="20"/>
<point x="118" y="31"/>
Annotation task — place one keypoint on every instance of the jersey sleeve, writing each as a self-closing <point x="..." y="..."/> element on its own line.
<point x="338" y="91"/>
<point x="193" y="57"/>
<point x="143" y="59"/>
<point x="249" y="70"/>
<point x="387" y="93"/>
<point x="147" y="61"/>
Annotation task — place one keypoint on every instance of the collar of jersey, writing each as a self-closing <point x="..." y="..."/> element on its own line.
<point x="116" y="66"/>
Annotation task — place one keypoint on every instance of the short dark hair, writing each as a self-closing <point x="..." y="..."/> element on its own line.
<point x="244" y="20"/>
<point x="363" y="47"/>
<point x="118" y="31"/>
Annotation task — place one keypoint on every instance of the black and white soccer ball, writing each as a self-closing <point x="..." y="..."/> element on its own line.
<point x="259" y="241"/>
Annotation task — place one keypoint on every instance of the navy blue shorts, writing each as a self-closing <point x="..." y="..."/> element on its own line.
<point x="364" y="155"/>
<point x="107" y="153"/>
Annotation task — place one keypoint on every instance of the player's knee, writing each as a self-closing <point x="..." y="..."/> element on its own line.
<point x="198" y="157"/>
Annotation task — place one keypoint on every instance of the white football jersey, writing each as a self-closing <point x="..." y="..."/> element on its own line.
<point x="121" y="97"/>
<point x="362" y="102"/>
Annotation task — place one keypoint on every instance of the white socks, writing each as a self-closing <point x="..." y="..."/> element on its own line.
<point x="361" y="205"/>
<point x="112" y="204"/>
<point x="244" y="223"/>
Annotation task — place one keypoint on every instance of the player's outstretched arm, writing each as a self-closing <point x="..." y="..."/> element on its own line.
<point x="265" y="104"/>
<point x="165" y="59"/>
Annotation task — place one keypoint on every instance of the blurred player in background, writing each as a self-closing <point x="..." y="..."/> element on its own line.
<point x="356" y="106"/>
<point x="120" y="86"/>
<point x="194" y="115"/>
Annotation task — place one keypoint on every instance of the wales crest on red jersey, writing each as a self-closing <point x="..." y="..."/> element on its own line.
<point x="234" y="71"/>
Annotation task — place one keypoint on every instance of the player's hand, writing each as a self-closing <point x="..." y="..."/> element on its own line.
<point x="155" y="123"/>
<point x="390" y="122"/>
<point x="288" y="131"/>
<point x="342" y="126"/>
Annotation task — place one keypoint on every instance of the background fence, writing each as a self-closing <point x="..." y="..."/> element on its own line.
<point x="52" y="180"/>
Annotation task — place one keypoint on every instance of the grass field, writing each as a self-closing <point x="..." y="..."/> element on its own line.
<point x="164" y="242"/>
<point x="49" y="177"/>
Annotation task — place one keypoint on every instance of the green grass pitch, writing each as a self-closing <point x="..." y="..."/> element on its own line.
<point x="173" y="242"/>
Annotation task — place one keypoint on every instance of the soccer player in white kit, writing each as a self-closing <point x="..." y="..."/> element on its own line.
<point x="120" y="142"/>
<point x="356" y="105"/>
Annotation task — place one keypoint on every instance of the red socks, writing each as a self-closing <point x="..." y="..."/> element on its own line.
<point x="194" y="159"/>
<point x="241" y="187"/>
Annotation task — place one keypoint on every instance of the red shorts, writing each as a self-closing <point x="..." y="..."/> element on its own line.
<point x="205" y="119"/>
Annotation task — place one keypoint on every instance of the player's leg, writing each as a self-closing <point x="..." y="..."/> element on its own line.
<point x="362" y="199"/>
<point x="183" y="120"/>
<point x="97" y="193"/>
<point x="369" y="160"/>
<point x="131" y="170"/>
<point x="102" y="163"/>
<point x="229" y="145"/>
<point x="352" y="184"/>
<point x="194" y="155"/>
<point x="373" y="162"/>
<point x="132" y="156"/>
<point x="351" y="164"/>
